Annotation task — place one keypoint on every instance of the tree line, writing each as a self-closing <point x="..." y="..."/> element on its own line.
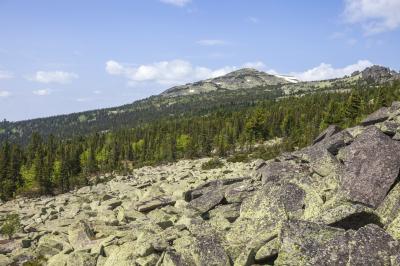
<point x="49" y="165"/>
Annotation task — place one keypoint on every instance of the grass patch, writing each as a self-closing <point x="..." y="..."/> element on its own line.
<point x="212" y="164"/>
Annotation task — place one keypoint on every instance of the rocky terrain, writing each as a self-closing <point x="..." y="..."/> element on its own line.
<point x="246" y="78"/>
<point x="336" y="202"/>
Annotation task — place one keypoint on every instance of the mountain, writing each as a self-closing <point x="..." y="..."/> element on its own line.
<point x="233" y="91"/>
<point x="335" y="202"/>
<point x="246" y="78"/>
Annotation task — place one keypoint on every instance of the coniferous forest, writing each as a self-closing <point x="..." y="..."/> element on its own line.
<point x="51" y="165"/>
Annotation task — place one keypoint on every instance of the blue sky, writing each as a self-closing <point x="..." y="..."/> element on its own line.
<point x="66" y="56"/>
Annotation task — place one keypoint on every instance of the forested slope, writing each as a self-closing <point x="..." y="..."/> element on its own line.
<point x="53" y="164"/>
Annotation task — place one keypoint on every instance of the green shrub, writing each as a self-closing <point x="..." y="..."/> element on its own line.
<point x="11" y="225"/>
<point x="212" y="164"/>
<point x="238" y="158"/>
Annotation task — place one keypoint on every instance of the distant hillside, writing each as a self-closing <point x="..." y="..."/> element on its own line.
<point x="235" y="90"/>
<point x="246" y="78"/>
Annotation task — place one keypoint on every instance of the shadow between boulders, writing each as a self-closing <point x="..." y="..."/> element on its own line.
<point x="267" y="261"/>
<point x="357" y="220"/>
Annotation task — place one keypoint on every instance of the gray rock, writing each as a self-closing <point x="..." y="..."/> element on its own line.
<point x="4" y="260"/>
<point x="207" y="201"/>
<point x="81" y="236"/>
<point x="372" y="164"/>
<point x="282" y="171"/>
<point x="371" y="245"/>
<point x="331" y="130"/>
<point x="155" y="203"/>
<point x="376" y="117"/>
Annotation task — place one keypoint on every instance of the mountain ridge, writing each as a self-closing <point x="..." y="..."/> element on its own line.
<point x="162" y="105"/>
<point x="245" y="78"/>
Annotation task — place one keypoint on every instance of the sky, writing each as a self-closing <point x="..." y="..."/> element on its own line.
<point x="68" y="56"/>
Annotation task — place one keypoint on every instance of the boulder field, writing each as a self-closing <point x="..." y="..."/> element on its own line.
<point x="336" y="202"/>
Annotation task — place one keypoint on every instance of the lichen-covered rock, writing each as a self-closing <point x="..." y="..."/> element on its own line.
<point x="154" y="203"/>
<point x="81" y="236"/>
<point x="4" y="260"/>
<point x="305" y="243"/>
<point x="207" y="250"/>
<point x="389" y="209"/>
<point x="329" y="131"/>
<point x="282" y="171"/>
<point x="376" y="117"/>
<point x="207" y="201"/>
<point x="50" y="245"/>
<point x="371" y="245"/>
<point x="371" y="166"/>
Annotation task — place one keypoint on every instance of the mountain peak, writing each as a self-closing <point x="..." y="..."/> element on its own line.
<point x="245" y="78"/>
<point x="377" y="73"/>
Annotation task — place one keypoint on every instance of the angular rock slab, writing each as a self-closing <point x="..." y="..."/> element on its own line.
<point x="376" y="117"/>
<point x="371" y="166"/>
<point x="155" y="203"/>
<point x="331" y="130"/>
<point x="81" y="236"/>
<point x="305" y="243"/>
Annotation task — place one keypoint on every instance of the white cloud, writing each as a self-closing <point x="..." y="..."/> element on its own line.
<point x="4" y="94"/>
<point x="375" y="16"/>
<point x="179" y="3"/>
<point x="327" y="71"/>
<point x="97" y="92"/>
<point x="253" y="20"/>
<point x="42" y="92"/>
<point x="54" y="77"/>
<point x="6" y="74"/>
<point x="211" y="42"/>
<point x="257" y="65"/>
<point x="165" y="72"/>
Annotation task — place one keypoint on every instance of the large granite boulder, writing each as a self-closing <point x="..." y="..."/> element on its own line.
<point x="305" y="243"/>
<point x="371" y="167"/>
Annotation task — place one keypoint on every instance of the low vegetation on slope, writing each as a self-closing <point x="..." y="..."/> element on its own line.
<point x="52" y="165"/>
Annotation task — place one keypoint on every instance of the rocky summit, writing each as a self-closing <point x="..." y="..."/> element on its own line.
<point x="246" y="78"/>
<point x="336" y="202"/>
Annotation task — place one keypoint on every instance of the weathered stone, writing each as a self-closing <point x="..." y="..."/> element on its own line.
<point x="230" y="212"/>
<point x="81" y="236"/>
<point x="207" y="250"/>
<point x="331" y="130"/>
<point x="348" y="216"/>
<point x="207" y="201"/>
<point x="81" y="258"/>
<point x="371" y="245"/>
<point x="282" y="171"/>
<point x="372" y="164"/>
<point x="158" y="202"/>
<point x="50" y="245"/>
<point x="4" y="260"/>
<point x="268" y="251"/>
<point x="305" y="243"/>
<point x="236" y="193"/>
<point x="376" y="117"/>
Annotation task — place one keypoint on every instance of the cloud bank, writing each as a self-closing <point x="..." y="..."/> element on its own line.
<point x="4" y="94"/>
<point x="6" y="74"/>
<point x="57" y="76"/>
<point x="374" y="16"/>
<point x="327" y="71"/>
<point x="179" y="3"/>
<point x="172" y="72"/>
<point x="42" y="92"/>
